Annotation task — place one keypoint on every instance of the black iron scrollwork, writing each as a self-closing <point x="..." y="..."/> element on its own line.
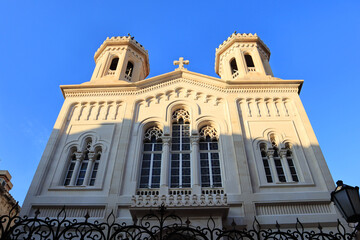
<point x="156" y="225"/>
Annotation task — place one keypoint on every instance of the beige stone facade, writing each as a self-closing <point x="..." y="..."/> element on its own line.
<point x="236" y="147"/>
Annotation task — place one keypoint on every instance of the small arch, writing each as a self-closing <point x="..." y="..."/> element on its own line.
<point x="249" y="61"/>
<point x="114" y="63"/>
<point x="129" y="69"/>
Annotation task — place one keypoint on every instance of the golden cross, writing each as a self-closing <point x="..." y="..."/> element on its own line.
<point x="181" y="63"/>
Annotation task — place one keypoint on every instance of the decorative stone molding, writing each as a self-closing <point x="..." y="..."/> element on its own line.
<point x="120" y="92"/>
<point x="95" y="111"/>
<point x="187" y="200"/>
<point x="153" y="131"/>
<point x="208" y="131"/>
<point x="268" y="107"/>
<point x="293" y="208"/>
<point x="181" y="113"/>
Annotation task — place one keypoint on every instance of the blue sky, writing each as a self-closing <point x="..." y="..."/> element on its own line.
<point x="44" y="44"/>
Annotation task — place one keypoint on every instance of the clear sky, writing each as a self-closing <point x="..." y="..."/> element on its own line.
<point x="44" y="44"/>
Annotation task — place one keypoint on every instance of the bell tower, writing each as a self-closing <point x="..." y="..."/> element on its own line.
<point x="120" y="59"/>
<point x="242" y="56"/>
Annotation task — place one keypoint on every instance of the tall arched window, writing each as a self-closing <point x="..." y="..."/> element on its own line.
<point x="95" y="166"/>
<point x="84" y="164"/>
<point x="234" y="68"/>
<point x="209" y="158"/>
<point x="249" y="61"/>
<point x="278" y="165"/>
<point x="180" y="150"/>
<point x="114" y="63"/>
<point x="265" y="160"/>
<point x="289" y="159"/>
<point x="151" y="162"/>
<point x="70" y="170"/>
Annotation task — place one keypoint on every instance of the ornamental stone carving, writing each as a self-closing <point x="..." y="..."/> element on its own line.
<point x="153" y="132"/>
<point x="208" y="131"/>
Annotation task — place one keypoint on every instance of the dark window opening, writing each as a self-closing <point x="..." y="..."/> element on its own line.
<point x="129" y="69"/>
<point x="249" y="61"/>
<point x="114" y="64"/>
<point x="233" y="66"/>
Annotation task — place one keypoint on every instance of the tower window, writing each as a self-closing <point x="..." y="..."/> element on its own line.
<point x="234" y="68"/>
<point x="249" y="61"/>
<point x="129" y="69"/>
<point x="114" y="64"/>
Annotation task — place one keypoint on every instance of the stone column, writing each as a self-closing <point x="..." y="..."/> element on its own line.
<point x="89" y="168"/>
<point x="195" y="170"/>
<point x="285" y="164"/>
<point x="164" y="174"/>
<point x="270" y="154"/>
<point x="79" y="157"/>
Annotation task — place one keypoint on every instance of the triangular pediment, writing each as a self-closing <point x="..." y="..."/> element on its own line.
<point x="121" y="87"/>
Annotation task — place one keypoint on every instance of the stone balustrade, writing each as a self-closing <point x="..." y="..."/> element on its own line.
<point x="180" y="200"/>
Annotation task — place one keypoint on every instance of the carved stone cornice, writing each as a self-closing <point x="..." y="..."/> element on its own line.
<point x="115" y="41"/>
<point x="269" y="86"/>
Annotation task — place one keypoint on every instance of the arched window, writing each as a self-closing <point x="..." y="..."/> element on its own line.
<point x="151" y="162"/>
<point x="84" y="164"/>
<point x="289" y="158"/>
<point x="249" y="61"/>
<point x="278" y="163"/>
<point x="129" y="69"/>
<point x="209" y="158"/>
<point x="95" y="166"/>
<point x="180" y="149"/>
<point x="266" y="163"/>
<point x="233" y="66"/>
<point x="70" y="170"/>
<point x="114" y="63"/>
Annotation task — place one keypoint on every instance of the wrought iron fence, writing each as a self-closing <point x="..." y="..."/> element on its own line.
<point x="160" y="224"/>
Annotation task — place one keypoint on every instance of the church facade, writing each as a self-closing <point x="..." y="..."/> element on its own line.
<point x="235" y="147"/>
